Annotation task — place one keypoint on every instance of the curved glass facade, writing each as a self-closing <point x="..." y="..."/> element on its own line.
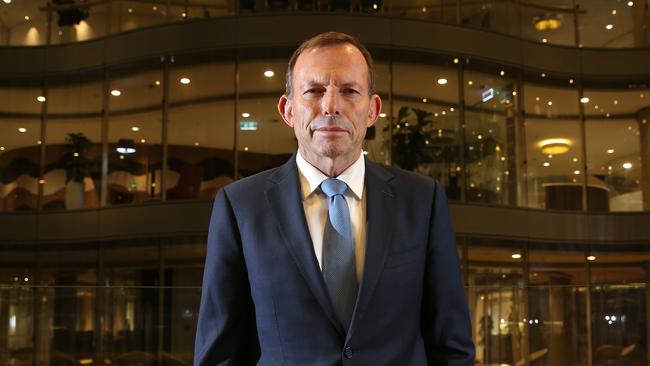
<point x="533" y="151"/>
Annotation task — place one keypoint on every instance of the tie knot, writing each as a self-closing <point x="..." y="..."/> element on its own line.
<point x="331" y="187"/>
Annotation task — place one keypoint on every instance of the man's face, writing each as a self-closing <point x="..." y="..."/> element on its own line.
<point x="330" y="108"/>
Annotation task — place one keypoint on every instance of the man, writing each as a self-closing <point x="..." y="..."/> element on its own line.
<point x="331" y="259"/>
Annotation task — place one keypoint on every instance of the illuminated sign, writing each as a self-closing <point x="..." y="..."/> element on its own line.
<point x="487" y="95"/>
<point x="247" y="126"/>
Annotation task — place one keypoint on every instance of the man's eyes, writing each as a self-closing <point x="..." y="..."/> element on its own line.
<point x="321" y="91"/>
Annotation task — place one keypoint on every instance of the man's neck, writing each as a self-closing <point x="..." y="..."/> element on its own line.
<point x="331" y="167"/>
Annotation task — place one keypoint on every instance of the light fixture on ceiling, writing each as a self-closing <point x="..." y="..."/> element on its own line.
<point x="382" y="115"/>
<point x="156" y="83"/>
<point x="544" y="40"/>
<point x="630" y="3"/>
<point x="116" y="93"/>
<point x="245" y="114"/>
<point x="26" y="17"/>
<point x="613" y="11"/>
<point x="456" y="60"/>
<point x="135" y="128"/>
<point x="424" y="100"/>
<point x="185" y="81"/>
<point x="610" y="151"/>
<point x="7" y="1"/>
<point x="555" y="146"/>
<point x="609" y="26"/>
<point x="570" y="81"/>
<point x="470" y="82"/>
<point x="591" y="258"/>
<point x="130" y="10"/>
<point x="547" y="164"/>
<point x="442" y="81"/>
<point x="22" y="129"/>
<point x="576" y="172"/>
<point x="516" y="256"/>
<point x="547" y="22"/>
<point x="584" y="100"/>
<point x="269" y="73"/>
<point x="627" y="165"/>
<point x="550" y="103"/>
<point x="40" y="98"/>
<point x="502" y="73"/>
<point x="125" y="146"/>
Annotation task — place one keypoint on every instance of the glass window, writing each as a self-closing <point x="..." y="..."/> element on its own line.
<point x="490" y="125"/>
<point x="264" y="140"/>
<point x="73" y="146"/>
<point x="20" y="150"/>
<point x="496" y="300"/>
<point x="135" y="127"/>
<point x="425" y="131"/>
<point x="201" y="133"/>
<point x="604" y="23"/>
<point x="553" y="147"/>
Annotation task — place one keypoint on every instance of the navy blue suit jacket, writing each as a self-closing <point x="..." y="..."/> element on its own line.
<point x="264" y="301"/>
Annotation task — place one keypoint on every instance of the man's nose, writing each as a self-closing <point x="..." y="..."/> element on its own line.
<point x="331" y="104"/>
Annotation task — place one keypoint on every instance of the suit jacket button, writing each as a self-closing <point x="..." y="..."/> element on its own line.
<point x="348" y="352"/>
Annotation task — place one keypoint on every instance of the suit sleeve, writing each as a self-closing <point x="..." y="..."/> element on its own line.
<point x="446" y="327"/>
<point x="225" y="332"/>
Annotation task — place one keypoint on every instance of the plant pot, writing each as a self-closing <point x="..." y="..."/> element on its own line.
<point x="74" y="195"/>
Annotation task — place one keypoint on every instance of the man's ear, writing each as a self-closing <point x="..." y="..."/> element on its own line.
<point x="286" y="110"/>
<point x="374" y="110"/>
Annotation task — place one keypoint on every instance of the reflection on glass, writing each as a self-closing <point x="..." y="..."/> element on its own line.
<point x="135" y="128"/>
<point x="425" y="125"/>
<point x="490" y="121"/>
<point x="201" y="137"/>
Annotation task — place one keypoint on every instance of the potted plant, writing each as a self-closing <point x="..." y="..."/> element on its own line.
<point x="77" y="167"/>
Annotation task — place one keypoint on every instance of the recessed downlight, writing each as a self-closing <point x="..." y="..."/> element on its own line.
<point x="245" y="114"/>
<point x="442" y="81"/>
<point x="627" y="165"/>
<point x="591" y="257"/>
<point x="609" y="26"/>
<point x="185" y="81"/>
<point x="40" y="98"/>
<point x="610" y="151"/>
<point x="116" y="93"/>
<point x="22" y="129"/>
<point x="269" y="73"/>
<point x="584" y="100"/>
<point x="135" y="128"/>
<point x="516" y="256"/>
<point x="382" y="115"/>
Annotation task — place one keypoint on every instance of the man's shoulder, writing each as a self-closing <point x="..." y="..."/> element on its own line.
<point x="401" y="177"/>
<point x="258" y="182"/>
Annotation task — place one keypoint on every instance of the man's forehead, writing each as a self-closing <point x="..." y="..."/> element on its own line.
<point x="311" y="66"/>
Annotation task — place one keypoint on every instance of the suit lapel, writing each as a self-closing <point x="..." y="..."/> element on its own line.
<point x="379" y="230"/>
<point x="285" y="200"/>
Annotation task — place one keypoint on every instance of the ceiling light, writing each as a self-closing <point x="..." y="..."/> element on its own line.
<point x="116" y="93"/>
<point x="185" y="81"/>
<point x="135" y="128"/>
<point x="155" y="8"/>
<point x="22" y="129"/>
<point x="596" y="106"/>
<point x="2" y="148"/>
<point x="156" y="83"/>
<point x="576" y="172"/>
<point x="40" y="98"/>
<point x="456" y="60"/>
<point x="584" y="100"/>
<point x="591" y="258"/>
<point x="537" y="99"/>
<point x="627" y="165"/>
<point x="424" y="100"/>
<point x="575" y="160"/>
<point x="609" y="26"/>
<point x="382" y="115"/>
<point x="245" y="114"/>
<point x="615" y="101"/>
<point x="184" y="14"/>
<point x="444" y="113"/>
<point x="130" y="10"/>
<point x="442" y="81"/>
<point x="125" y="146"/>
<point x="142" y="141"/>
<point x="613" y="11"/>
<point x="7" y="1"/>
<point x="502" y="73"/>
<point x="544" y="40"/>
<point x="547" y="164"/>
<point x="451" y="109"/>
<point x="424" y="10"/>
<point x="570" y="81"/>
<point x="245" y="148"/>
<point x="470" y="82"/>
<point x="516" y="256"/>
<point x="554" y="146"/>
<point x="269" y="73"/>
<point x="630" y="3"/>
<point x="550" y="103"/>
<point x="543" y="74"/>
<point x="196" y="143"/>
<point x="547" y="22"/>
<point x="26" y="17"/>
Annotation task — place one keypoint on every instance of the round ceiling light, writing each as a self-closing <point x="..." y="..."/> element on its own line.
<point x="547" y="22"/>
<point x="269" y="73"/>
<point x="555" y="146"/>
<point x="584" y="100"/>
<point x="442" y="81"/>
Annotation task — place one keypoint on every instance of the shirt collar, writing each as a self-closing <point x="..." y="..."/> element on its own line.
<point x="353" y="176"/>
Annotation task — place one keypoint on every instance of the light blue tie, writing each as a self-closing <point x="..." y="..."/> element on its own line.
<point x="338" y="252"/>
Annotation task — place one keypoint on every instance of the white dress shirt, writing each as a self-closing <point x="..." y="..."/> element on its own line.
<point x="316" y="204"/>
